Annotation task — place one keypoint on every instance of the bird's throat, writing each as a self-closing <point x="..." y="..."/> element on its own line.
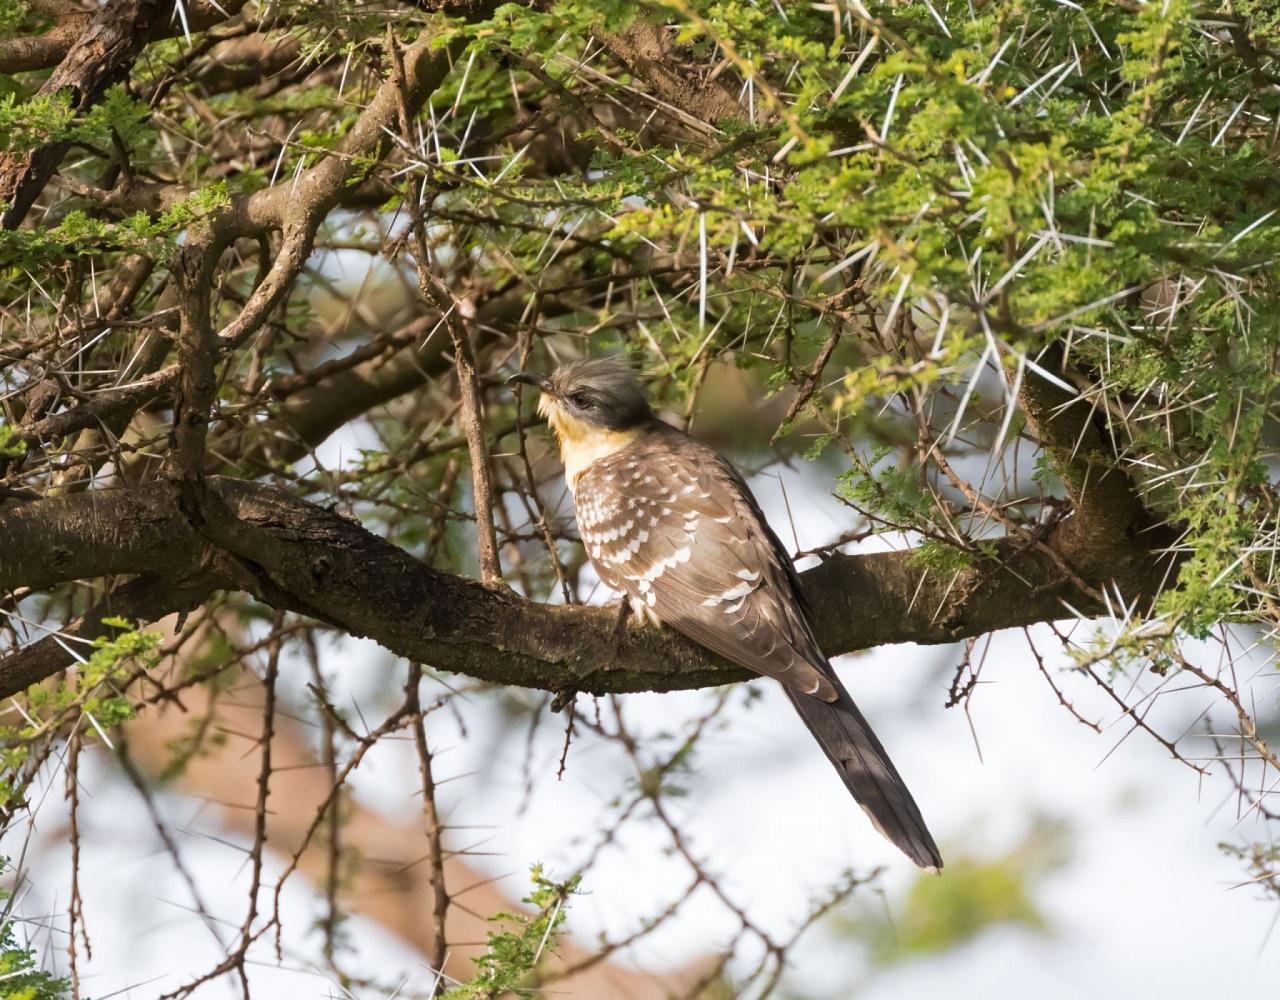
<point x="581" y="444"/>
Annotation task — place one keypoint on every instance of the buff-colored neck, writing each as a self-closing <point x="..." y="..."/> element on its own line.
<point x="581" y="443"/>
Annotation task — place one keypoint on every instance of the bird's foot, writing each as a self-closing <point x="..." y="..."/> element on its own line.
<point x="563" y="699"/>
<point x="619" y="631"/>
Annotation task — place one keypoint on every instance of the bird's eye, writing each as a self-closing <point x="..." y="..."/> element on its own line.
<point x="581" y="400"/>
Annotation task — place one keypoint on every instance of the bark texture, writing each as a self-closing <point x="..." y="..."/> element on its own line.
<point x="298" y="556"/>
<point x="102" y="53"/>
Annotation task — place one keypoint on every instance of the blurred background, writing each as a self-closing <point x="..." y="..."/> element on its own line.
<point x="844" y="244"/>
<point x="1081" y="860"/>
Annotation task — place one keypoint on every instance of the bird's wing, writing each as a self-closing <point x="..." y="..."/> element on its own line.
<point x="670" y="523"/>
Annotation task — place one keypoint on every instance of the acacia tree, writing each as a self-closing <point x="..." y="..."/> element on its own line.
<point x="1008" y="265"/>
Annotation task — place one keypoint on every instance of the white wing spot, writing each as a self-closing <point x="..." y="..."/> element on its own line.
<point x="657" y="569"/>
<point x="741" y="590"/>
<point x="737" y="593"/>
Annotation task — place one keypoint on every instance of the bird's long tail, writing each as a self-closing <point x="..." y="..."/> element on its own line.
<point x="867" y="771"/>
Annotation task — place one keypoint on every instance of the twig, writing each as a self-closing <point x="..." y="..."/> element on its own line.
<point x="451" y="311"/>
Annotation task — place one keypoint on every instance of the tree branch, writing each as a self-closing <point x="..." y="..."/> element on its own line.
<point x="35" y="52"/>
<point x="102" y="53"/>
<point x="645" y="50"/>
<point x="145" y="599"/>
<point x="297" y="556"/>
<point x="1110" y="523"/>
<point x="125" y="399"/>
<point x="464" y="356"/>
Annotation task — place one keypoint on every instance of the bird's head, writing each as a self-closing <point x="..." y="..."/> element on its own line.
<point x="584" y="399"/>
<point x="595" y="407"/>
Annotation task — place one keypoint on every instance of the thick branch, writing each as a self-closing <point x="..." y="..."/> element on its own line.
<point x="297" y="556"/>
<point x="645" y="50"/>
<point x="34" y="52"/>
<point x="145" y="599"/>
<point x="102" y="54"/>
<point x="1110" y="524"/>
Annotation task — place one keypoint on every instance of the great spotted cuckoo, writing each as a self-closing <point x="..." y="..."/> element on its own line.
<point x="668" y="522"/>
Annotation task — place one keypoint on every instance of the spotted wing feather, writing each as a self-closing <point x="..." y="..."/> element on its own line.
<point x="671" y="524"/>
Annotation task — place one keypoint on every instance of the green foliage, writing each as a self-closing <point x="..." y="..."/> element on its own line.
<point x="11" y="446"/>
<point x="888" y="491"/>
<point x="94" y="697"/>
<point x="81" y="235"/>
<point x="25" y="125"/>
<point x="940" y="557"/>
<point x="12" y="14"/>
<point x="973" y="896"/>
<point x="20" y="975"/>
<point x="515" y="952"/>
<point x="943" y="913"/>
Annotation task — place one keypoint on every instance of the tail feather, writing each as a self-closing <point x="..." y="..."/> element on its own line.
<point x="868" y="773"/>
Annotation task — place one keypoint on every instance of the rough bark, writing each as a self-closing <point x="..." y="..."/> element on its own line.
<point x="102" y="54"/>
<point x="1109" y="524"/>
<point x="36" y="52"/>
<point x="645" y="50"/>
<point x="297" y="556"/>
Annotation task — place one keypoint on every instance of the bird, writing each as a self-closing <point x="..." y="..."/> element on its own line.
<point x="671" y="524"/>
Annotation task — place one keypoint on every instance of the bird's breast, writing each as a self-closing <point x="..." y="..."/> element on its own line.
<point x="581" y="446"/>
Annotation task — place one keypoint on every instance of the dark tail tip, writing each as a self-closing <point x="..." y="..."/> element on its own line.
<point x="860" y="759"/>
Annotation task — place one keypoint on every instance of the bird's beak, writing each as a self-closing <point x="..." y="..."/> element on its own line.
<point x="530" y="378"/>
